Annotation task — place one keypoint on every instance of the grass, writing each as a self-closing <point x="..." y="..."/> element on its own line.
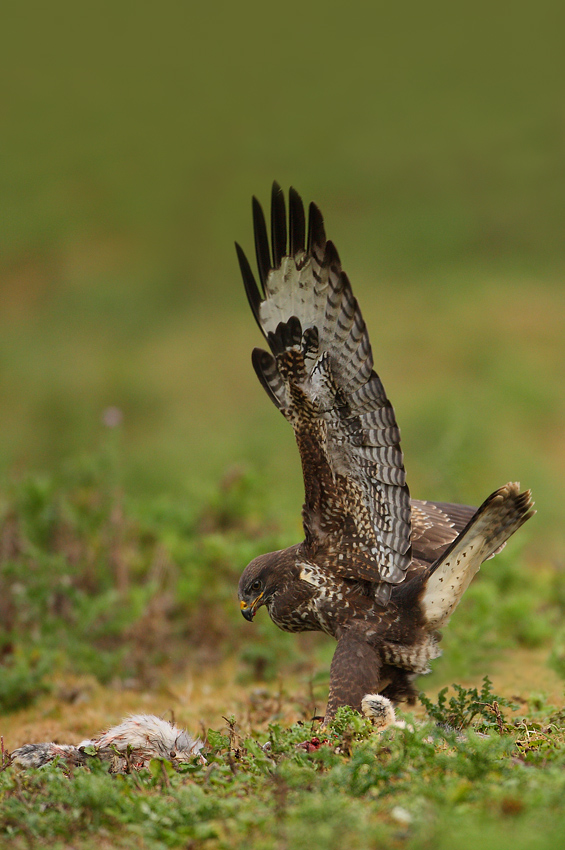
<point x="95" y="584"/>
<point x="288" y="787"/>
<point x="116" y="592"/>
<point x="141" y="467"/>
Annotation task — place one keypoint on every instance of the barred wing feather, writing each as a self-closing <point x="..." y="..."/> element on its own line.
<point x="319" y="373"/>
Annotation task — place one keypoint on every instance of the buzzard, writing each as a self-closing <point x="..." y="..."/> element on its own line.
<point x="378" y="571"/>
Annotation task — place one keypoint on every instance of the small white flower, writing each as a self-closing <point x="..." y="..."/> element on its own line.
<point x="400" y="815"/>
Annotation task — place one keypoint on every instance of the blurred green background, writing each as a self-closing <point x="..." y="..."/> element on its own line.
<point x="432" y="137"/>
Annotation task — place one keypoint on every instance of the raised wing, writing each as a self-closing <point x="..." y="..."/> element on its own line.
<point x="320" y="375"/>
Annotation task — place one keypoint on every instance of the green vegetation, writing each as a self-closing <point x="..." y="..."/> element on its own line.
<point x="141" y="466"/>
<point x="93" y="583"/>
<point x="293" y="788"/>
<point x="90" y="585"/>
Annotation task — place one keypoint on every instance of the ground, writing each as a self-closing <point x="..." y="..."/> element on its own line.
<point x="81" y="706"/>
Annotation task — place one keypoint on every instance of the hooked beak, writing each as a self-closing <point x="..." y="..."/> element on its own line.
<point x="249" y="611"/>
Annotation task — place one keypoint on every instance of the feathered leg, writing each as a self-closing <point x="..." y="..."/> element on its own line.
<point x="355" y="672"/>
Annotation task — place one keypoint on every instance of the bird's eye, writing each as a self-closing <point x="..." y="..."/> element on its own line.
<point x="256" y="584"/>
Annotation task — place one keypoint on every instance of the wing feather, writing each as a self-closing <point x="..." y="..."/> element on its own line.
<point x="297" y="223"/>
<point x="250" y="284"/>
<point x="278" y="225"/>
<point x="435" y="525"/>
<point x="266" y="370"/>
<point x="320" y="375"/>
<point x="261" y="242"/>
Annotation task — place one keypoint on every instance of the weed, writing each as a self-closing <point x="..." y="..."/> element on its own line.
<point x="557" y="656"/>
<point x="468" y="704"/>
<point x="347" y="786"/>
<point x="23" y="678"/>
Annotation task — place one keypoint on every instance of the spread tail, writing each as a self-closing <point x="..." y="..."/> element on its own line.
<point x="486" y="533"/>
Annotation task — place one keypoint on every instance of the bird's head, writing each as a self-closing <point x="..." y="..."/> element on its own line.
<point x="262" y="579"/>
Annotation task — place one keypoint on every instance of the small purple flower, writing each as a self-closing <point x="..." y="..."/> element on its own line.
<point x="112" y="417"/>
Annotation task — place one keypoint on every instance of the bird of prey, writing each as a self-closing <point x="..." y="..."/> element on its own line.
<point x="378" y="571"/>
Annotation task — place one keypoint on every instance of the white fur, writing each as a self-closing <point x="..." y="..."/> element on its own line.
<point x="145" y="736"/>
<point x="379" y="709"/>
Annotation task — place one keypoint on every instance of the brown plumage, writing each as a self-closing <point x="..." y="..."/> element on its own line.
<point x="377" y="571"/>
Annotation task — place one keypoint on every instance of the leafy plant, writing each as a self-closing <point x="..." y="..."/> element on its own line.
<point x="557" y="656"/>
<point x="348" y="722"/>
<point x="301" y="786"/>
<point x="460" y="710"/>
<point x="23" y="679"/>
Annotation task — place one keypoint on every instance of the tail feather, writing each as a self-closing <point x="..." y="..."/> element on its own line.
<point x="486" y="533"/>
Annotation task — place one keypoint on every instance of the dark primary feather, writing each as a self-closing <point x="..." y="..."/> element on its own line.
<point x="316" y="233"/>
<point x="261" y="242"/>
<point x="251" y="289"/>
<point x="278" y="225"/>
<point x="297" y="223"/>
